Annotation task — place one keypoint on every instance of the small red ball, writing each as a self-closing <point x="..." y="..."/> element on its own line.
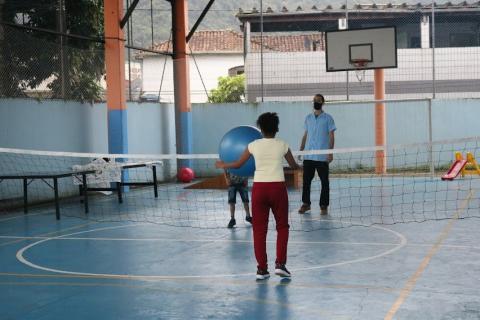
<point x="186" y="174"/>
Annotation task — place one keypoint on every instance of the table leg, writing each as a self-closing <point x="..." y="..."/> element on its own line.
<point x="155" y="189"/>
<point x="55" y="189"/>
<point x="25" y="196"/>
<point x="80" y="192"/>
<point x="119" y="192"/>
<point x="85" y="192"/>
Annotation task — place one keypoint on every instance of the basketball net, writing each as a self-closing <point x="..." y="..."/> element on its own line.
<point x="359" y="65"/>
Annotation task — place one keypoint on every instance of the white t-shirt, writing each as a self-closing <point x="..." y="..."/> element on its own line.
<point x="269" y="155"/>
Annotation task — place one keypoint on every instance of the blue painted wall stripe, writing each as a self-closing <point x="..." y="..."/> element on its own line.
<point x="187" y="133"/>
<point x="117" y="131"/>
<point x="186" y="137"/>
<point x="118" y="136"/>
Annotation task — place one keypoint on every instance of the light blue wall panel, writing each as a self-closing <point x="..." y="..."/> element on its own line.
<point x="53" y="125"/>
<point x="151" y="128"/>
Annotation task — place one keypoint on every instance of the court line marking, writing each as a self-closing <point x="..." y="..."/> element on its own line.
<point x="411" y="282"/>
<point x="23" y="216"/>
<point x="20" y="257"/>
<point x="50" y="233"/>
<point x="410" y="244"/>
<point x="316" y="311"/>
<point x="71" y="284"/>
<point x="196" y="240"/>
<point x="233" y="282"/>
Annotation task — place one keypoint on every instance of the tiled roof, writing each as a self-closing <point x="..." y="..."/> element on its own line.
<point x="229" y="41"/>
<point x="290" y="43"/>
<point x="209" y="41"/>
<point x="363" y="7"/>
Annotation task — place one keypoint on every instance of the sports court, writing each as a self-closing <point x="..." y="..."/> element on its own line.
<point x="112" y="204"/>
<point x="128" y="270"/>
<point x="367" y="259"/>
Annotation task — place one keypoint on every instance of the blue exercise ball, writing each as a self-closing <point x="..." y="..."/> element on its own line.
<point x="234" y="143"/>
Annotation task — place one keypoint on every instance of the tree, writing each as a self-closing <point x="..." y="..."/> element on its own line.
<point x="71" y="68"/>
<point x="230" y="89"/>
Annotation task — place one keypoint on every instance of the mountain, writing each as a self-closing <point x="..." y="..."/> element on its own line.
<point x="221" y="14"/>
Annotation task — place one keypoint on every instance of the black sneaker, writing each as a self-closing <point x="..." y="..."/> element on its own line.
<point x="248" y="219"/>
<point x="281" y="270"/>
<point x="232" y="223"/>
<point x="262" y="274"/>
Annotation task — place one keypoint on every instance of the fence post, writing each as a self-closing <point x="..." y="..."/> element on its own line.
<point x="380" y="125"/>
<point x="261" y="51"/>
<point x="434" y="85"/>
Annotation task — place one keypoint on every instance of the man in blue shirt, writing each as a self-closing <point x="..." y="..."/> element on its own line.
<point x="319" y="135"/>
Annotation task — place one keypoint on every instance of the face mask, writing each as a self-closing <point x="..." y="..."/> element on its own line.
<point x="317" y="105"/>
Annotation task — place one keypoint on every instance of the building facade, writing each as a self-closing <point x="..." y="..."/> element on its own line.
<point x="438" y="52"/>
<point x="213" y="54"/>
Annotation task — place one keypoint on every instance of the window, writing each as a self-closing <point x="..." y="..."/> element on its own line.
<point x="462" y="40"/>
<point x="235" y="71"/>
<point x="414" y="42"/>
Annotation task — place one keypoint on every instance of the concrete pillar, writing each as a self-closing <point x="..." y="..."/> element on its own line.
<point x="115" y="65"/>
<point x="425" y="32"/>
<point x="181" y="78"/>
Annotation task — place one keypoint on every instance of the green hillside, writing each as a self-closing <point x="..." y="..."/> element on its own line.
<point x="220" y="16"/>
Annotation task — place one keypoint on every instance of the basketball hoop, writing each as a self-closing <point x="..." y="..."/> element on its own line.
<point x="360" y="65"/>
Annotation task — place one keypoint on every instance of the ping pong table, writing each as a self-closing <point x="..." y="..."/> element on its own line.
<point x="48" y="178"/>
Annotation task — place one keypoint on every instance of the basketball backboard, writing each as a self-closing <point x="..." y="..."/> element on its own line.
<point x="361" y="49"/>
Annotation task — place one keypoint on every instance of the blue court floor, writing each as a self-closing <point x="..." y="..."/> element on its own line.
<point x="80" y="269"/>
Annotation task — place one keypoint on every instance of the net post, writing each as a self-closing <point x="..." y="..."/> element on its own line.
<point x="430" y="139"/>
<point x="380" y="132"/>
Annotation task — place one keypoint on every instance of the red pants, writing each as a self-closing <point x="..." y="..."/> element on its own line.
<point x="266" y="196"/>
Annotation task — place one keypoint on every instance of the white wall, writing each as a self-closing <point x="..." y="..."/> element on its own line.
<point x="71" y="126"/>
<point x="210" y="68"/>
<point x="413" y="64"/>
<point x="291" y="71"/>
<point x="55" y="125"/>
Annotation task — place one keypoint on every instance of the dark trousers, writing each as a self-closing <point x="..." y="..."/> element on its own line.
<point x="309" y="167"/>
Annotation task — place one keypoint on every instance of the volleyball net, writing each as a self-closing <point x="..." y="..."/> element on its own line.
<point x="145" y="188"/>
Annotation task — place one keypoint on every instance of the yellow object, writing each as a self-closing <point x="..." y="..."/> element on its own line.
<point x="471" y="167"/>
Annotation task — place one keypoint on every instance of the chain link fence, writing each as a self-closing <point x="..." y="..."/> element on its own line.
<point x="438" y="50"/>
<point x="42" y="65"/>
<point x="49" y="51"/>
<point x="279" y="45"/>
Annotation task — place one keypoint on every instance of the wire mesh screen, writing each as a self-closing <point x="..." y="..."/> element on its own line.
<point x="438" y="49"/>
<point x="49" y="51"/>
<point x="287" y="60"/>
<point x="37" y="64"/>
<point x="144" y="188"/>
<point x="279" y="45"/>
